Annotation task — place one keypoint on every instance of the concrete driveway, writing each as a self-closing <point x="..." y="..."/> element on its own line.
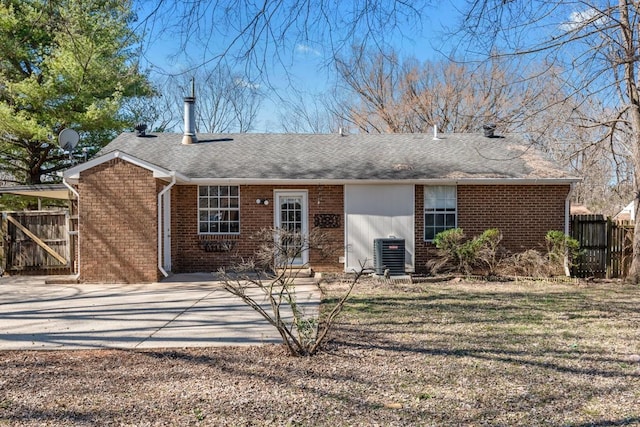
<point x="182" y="311"/>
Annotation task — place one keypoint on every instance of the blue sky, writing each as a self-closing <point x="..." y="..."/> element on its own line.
<point x="305" y="62"/>
<point x="302" y="65"/>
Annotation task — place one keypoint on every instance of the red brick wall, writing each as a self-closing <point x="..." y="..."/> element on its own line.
<point x="523" y="213"/>
<point x="118" y="224"/>
<point x="188" y="255"/>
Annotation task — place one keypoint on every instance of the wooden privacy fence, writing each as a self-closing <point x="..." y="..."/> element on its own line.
<point x="606" y="245"/>
<point x="36" y="241"/>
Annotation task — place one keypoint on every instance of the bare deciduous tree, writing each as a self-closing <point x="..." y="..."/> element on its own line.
<point x="310" y="114"/>
<point x="596" y="44"/>
<point x="226" y="102"/>
<point x="260" y="35"/>
<point x="390" y="95"/>
<point x="271" y="275"/>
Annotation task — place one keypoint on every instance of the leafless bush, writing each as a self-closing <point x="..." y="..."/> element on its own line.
<point x="272" y="272"/>
<point x="530" y="263"/>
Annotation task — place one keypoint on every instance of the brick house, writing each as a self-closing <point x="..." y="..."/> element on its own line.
<point x="150" y="205"/>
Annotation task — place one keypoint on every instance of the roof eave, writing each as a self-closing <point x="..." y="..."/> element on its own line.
<point x="437" y="181"/>
<point x="72" y="175"/>
<point x="48" y="191"/>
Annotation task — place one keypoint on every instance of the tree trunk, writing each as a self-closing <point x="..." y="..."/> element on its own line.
<point x="630" y="83"/>
<point x="634" y="271"/>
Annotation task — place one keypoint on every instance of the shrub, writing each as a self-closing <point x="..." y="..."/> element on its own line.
<point x="448" y="244"/>
<point x="489" y="252"/>
<point x="266" y="283"/>
<point x="533" y="263"/>
<point x="464" y="255"/>
<point x="530" y="263"/>
<point x="563" y="251"/>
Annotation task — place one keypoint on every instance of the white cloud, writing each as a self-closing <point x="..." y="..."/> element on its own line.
<point x="303" y="48"/>
<point x="580" y="19"/>
<point x="245" y="83"/>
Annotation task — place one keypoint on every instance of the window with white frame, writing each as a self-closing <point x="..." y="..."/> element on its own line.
<point x="219" y="209"/>
<point x="439" y="209"/>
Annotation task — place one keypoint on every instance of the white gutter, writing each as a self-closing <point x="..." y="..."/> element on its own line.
<point x="567" y="228"/>
<point x="160" y="236"/>
<point x="77" y="232"/>
<point x="311" y="181"/>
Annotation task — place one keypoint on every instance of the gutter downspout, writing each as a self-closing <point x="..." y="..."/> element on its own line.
<point x="567" y="228"/>
<point x="77" y="232"/>
<point x="160" y="236"/>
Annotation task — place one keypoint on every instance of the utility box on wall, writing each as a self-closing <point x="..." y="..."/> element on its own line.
<point x="388" y="256"/>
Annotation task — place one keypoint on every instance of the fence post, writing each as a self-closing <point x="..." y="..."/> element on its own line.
<point x="3" y="243"/>
<point x="610" y="242"/>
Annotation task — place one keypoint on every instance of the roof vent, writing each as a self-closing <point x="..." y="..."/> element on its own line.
<point x="435" y="133"/>
<point x="190" y="117"/>
<point x="489" y="130"/>
<point x="141" y="129"/>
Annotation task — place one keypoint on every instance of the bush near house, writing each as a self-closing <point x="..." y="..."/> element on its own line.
<point x="483" y="255"/>
<point x="274" y="272"/>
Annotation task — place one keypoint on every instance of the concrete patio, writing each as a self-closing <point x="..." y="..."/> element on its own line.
<point x="190" y="310"/>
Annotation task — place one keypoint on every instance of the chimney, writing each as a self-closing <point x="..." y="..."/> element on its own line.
<point x="190" y="117"/>
<point x="489" y="130"/>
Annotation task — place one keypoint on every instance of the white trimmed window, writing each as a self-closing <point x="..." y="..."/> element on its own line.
<point x="439" y="210"/>
<point x="219" y="209"/>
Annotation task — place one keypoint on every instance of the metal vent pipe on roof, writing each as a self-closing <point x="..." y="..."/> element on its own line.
<point x="489" y="130"/>
<point x="190" y="117"/>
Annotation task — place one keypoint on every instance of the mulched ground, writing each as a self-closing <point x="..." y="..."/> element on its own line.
<point x="445" y="353"/>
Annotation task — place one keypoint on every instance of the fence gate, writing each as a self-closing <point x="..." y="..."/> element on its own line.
<point x="37" y="242"/>
<point x="606" y="246"/>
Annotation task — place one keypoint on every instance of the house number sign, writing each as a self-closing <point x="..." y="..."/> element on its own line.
<point x="326" y="220"/>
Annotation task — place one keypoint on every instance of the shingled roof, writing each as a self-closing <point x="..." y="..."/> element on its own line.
<point x="386" y="157"/>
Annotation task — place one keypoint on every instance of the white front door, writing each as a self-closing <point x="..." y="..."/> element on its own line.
<point x="291" y="215"/>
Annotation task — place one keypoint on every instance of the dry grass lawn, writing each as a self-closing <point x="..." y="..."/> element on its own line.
<point x="447" y="353"/>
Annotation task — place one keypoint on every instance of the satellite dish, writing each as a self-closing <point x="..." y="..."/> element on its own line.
<point x="68" y="139"/>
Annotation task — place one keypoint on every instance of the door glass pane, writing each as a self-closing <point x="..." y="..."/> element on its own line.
<point x="291" y="221"/>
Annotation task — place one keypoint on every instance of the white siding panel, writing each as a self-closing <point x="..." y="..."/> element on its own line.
<point x="374" y="211"/>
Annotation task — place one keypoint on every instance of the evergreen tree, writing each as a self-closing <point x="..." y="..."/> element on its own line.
<point x="63" y="64"/>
